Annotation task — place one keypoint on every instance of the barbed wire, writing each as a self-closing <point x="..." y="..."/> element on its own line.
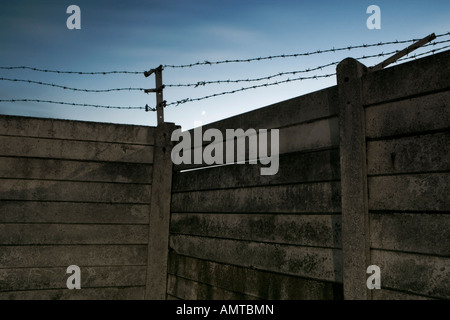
<point x="204" y="83"/>
<point x="69" y="88"/>
<point x="295" y="55"/>
<point x="362" y="46"/>
<point x="71" y="72"/>
<point x="71" y="103"/>
<point x="248" y="88"/>
<point x="416" y="55"/>
<point x="182" y="101"/>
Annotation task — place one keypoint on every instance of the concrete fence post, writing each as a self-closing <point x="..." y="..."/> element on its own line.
<point x="159" y="219"/>
<point x="355" y="217"/>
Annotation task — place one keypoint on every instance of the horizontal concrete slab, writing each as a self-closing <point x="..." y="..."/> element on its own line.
<point x="42" y="190"/>
<point x="420" y="192"/>
<point x="191" y="290"/>
<point x="69" y="170"/>
<point x="310" y="197"/>
<point x="309" y="230"/>
<point x="309" y="262"/>
<point x="422" y="233"/>
<point x="420" y="114"/>
<point x="55" y="278"/>
<point x="74" y="150"/>
<point x="305" y="108"/>
<point x="69" y="212"/>
<point x="426" y="75"/>
<point x="66" y="255"/>
<point x="120" y="293"/>
<point x="293" y="168"/>
<point x="75" y="130"/>
<point x="422" y="153"/>
<point x="316" y="135"/>
<point x="65" y="234"/>
<point x="256" y="283"/>
<point x="412" y="273"/>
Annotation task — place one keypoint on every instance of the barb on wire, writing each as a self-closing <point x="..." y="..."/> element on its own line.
<point x="71" y="72"/>
<point x="69" y="103"/>
<point x="347" y="48"/>
<point x="69" y="88"/>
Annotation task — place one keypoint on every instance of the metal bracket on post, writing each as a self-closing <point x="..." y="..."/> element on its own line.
<point x="160" y="103"/>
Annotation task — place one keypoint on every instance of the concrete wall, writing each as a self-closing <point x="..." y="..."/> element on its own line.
<point x="305" y="233"/>
<point x="363" y="180"/>
<point x="237" y="234"/>
<point x="407" y="115"/>
<point x="74" y="193"/>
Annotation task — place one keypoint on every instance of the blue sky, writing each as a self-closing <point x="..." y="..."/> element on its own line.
<point x="139" y="35"/>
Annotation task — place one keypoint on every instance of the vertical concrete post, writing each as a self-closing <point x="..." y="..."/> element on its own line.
<point x="159" y="219"/>
<point x="355" y="217"/>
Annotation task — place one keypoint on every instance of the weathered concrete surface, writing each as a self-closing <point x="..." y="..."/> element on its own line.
<point x="74" y="150"/>
<point x="419" y="114"/>
<point x="245" y="281"/>
<point x="418" y="274"/>
<point x="66" y="255"/>
<point x="159" y="220"/>
<point x="416" y="154"/>
<point x="118" y="293"/>
<point x="313" y="135"/>
<point x="320" y="197"/>
<point x="418" y="77"/>
<point x="56" y="277"/>
<point x="310" y="262"/>
<point x="69" y="170"/>
<point x="355" y="221"/>
<point x="75" y="130"/>
<point x="14" y="211"/>
<point x="43" y="190"/>
<point x="297" y="229"/>
<point x="73" y="192"/>
<point x="294" y="168"/>
<point x="426" y="233"/>
<point x="418" y="192"/>
<point x="64" y="234"/>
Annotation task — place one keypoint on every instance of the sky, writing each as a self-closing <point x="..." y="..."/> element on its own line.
<point x="138" y="35"/>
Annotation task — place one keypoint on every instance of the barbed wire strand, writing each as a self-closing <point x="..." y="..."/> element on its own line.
<point x="379" y="44"/>
<point x="179" y="102"/>
<point x="204" y="83"/>
<point x="71" y="72"/>
<point x="69" y="88"/>
<point x="415" y="56"/>
<point x="248" y="88"/>
<point x="70" y="103"/>
<point x="294" y="55"/>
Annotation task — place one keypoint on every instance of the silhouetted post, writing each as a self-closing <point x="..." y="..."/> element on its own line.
<point x="159" y="95"/>
<point x="355" y="217"/>
<point x="160" y="103"/>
